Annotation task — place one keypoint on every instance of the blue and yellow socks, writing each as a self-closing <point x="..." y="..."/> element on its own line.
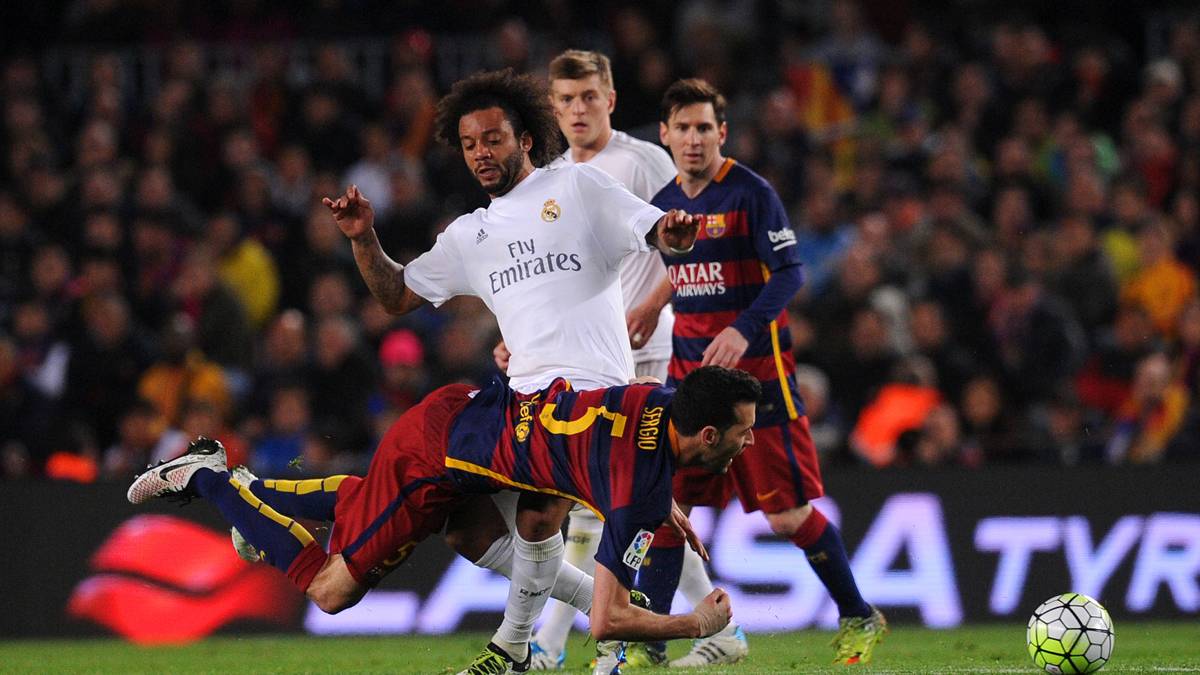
<point x="313" y="498"/>
<point x="279" y="539"/>
<point x="822" y="544"/>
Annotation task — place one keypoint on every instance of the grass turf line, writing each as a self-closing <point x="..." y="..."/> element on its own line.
<point x="1140" y="647"/>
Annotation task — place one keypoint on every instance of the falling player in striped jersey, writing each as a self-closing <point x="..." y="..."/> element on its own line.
<point x="583" y="98"/>
<point x="612" y="450"/>
<point x="730" y="297"/>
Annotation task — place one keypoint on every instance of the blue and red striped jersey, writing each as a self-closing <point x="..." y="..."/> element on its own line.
<point x="607" y="449"/>
<point x="746" y="235"/>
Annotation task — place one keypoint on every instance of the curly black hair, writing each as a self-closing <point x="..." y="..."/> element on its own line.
<point x="524" y="99"/>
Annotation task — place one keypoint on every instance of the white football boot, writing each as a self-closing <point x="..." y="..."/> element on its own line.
<point x="715" y="650"/>
<point x="610" y="656"/>
<point x="542" y="659"/>
<point x="171" y="478"/>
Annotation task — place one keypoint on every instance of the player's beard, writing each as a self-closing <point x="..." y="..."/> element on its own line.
<point x="698" y="174"/>
<point x="509" y="170"/>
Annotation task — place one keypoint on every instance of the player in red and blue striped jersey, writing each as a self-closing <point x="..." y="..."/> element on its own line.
<point x="614" y="451"/>
<point x="730" y="295"/>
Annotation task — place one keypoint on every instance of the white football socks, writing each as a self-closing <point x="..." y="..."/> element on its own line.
<point x="498" y="557"/>
<point x="583" y="540"/>
<point x="535" y="568"/>
<point x="693" y="580"/>
<point x="573" y="586"/>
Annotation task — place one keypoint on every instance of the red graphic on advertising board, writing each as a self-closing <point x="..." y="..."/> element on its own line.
<point x="161" y="579"/>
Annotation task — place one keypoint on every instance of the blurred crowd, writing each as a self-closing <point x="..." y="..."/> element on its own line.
<point x="999" y="218"/>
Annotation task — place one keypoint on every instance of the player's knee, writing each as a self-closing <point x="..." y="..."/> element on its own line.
<point x="786" y="523"/>
<point x="460" y="543"/>
<point x="472" y="540"/>
<point x="332" y="599"/>
<point x="328" y="599"/>
<point x="334" y="589"/>
<point x="540" y="516"/>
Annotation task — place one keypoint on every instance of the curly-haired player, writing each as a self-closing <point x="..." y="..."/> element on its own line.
<point x="544" y="257"/>
<point x="522" y="98"/>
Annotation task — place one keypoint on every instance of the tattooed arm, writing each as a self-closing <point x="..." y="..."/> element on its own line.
<point x="384" y="276"/>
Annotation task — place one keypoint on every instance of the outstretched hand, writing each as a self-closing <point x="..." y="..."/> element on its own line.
<point x="726" y="349"/>
<point x="352" y="212"/>
<point x="677" y="230"/>
<point x="679" y="523"/>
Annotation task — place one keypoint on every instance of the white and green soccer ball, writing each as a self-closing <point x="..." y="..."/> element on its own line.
<point x="1070" y="633"/>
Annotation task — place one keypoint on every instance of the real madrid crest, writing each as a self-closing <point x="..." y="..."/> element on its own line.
<point x="551" y="211"/>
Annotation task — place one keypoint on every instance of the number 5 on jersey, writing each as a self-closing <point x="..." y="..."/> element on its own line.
<point x="583" y="422"/>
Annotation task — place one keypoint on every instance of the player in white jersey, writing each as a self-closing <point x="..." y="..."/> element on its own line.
<point x="544" y="257"/>
<point x="582" y="94"/>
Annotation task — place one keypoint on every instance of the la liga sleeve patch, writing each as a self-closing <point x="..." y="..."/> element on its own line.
<point x="636" y="553"/>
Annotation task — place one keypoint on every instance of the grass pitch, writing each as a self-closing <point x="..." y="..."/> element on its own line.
<point x="1140" y="647"/>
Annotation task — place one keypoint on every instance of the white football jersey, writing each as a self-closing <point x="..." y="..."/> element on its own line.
<point x="545" y="259"/>
<point x="644" y="169"/>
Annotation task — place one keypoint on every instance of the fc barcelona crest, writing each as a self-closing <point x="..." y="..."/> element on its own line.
<point x="714" y="225"/>
<point x="551" y="211"/>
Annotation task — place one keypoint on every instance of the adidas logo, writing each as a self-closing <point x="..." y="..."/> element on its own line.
<point x="481" y="236"/>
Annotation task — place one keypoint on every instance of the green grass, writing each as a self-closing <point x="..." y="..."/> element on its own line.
<point x="1140" y="647"/>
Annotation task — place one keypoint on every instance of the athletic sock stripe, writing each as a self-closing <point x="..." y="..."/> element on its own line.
<point x="311" y="485"/>
<point x="280" y="485"/>
<point x="305" y="486"/>
<point x="332" y="483"/>
<point x="295" y="529"/>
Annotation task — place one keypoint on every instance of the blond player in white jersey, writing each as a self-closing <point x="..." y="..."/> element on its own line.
<point x="544" y="257"/>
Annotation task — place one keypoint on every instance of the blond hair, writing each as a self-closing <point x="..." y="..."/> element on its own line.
<point x="576" y="64"/>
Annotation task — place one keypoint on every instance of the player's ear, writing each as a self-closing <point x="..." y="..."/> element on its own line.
<point x="723" y="130"/>
<point x="526" y="141"/>
<point x="612" y="100"/>
<point x="709" y="435"/>
<point x="662" y="134"/>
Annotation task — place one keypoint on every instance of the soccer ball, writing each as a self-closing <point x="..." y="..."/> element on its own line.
<point x="1070" y="633"/>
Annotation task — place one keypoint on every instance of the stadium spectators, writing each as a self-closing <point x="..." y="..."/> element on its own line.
<point x="1020" y="195"/>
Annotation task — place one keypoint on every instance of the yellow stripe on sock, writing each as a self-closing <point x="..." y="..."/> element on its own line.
<point x="306" y="486"/>
<point x="309" y="486"/>
<point x="296" y="529"/>
<point x="280" y="485"/>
